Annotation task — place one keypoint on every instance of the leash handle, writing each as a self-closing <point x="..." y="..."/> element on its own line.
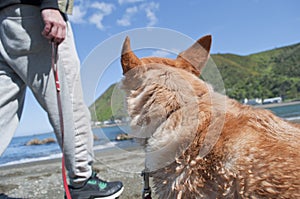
<point x="61" y="120"/>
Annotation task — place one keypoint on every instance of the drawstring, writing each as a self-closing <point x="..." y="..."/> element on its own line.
<point x="61" y="120"/>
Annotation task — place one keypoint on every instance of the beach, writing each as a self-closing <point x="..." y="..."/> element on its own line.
<point x="42" y="179"/>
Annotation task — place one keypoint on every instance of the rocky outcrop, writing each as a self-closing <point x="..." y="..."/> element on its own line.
<point x="123" y="136"/>
<point x="40" y="142"/>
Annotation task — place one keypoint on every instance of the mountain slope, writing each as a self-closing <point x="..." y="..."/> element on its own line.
<point x="262" y="75"/>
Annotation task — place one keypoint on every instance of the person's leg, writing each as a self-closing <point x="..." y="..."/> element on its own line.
<point x="12" y="93"/>
<point x="29" y="55"/>
<point x="77" y="112"/>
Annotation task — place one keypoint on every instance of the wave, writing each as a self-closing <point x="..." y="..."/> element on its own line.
<point x="292" y="118"/>
<point x="27" y="160"/>
<point x="55" y="156"/>
<point x="105" y="146"/>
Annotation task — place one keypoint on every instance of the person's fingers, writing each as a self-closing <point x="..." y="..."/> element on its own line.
<point x="53" y="33"/>
<point x="60" y="34"/>
<point x="47" y="29"/>
<point x="55" y="26"/>
<point x="56" y="33"/>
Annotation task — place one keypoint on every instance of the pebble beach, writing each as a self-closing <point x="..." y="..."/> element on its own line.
<point x="42" y="179"/>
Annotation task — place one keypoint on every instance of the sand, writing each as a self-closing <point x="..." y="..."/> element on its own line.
<point x="42" y="180"/>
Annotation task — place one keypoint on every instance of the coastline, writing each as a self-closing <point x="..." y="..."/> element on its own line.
<point x="277" y="104"/>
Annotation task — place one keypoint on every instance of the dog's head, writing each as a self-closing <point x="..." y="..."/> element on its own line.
<point x="163" y="98"/>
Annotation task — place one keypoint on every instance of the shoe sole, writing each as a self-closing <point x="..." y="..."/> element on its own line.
<point x="114" y="196"/>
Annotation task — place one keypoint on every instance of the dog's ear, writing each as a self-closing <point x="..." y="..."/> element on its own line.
<point x="197" y="55"/>
<point x="128" y="59"/>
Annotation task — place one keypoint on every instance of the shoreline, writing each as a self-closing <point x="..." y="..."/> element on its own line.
<point x="42" y="179"/>
<point x="277" y="104"/>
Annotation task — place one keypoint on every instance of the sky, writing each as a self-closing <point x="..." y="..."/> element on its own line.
<point x="237" y="26"/>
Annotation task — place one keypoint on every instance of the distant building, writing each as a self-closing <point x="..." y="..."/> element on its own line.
<point x="272" y="100"/>
<point x="109" y="122"/>
<point x="117" y="121"/>
<point x="256" y="101"/>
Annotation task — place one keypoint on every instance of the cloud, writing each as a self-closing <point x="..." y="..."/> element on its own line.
<point x="148" y="8"/>
<point x="161" y="53"/>
<point x="105" y="8"/>
<point x="78" y="15"/>
<point x="126" y="19"/>
<point x="95" y="12"/>
<point x="96" y="19"/>
<point x="129" y="1"/>
<point x="102" y="10"/>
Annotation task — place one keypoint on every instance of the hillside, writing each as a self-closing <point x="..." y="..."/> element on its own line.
<point x="261" y="75"/>
<point x="109" y="106"/>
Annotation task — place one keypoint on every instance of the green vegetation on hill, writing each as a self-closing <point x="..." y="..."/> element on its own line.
<point x="263" y="75"/>
<point x="110" y="105"/>
<point x="100" y="110"/>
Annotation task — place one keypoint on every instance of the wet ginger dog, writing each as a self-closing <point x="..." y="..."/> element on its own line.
<point x="201" y="144"/>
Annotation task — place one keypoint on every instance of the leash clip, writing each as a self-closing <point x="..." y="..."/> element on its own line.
<point x="147" y="189"/>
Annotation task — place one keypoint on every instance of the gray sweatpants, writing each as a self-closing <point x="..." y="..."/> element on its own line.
<point x="25" y="60"/>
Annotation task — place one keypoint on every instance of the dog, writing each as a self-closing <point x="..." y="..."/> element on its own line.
<point x="200" y="143"/>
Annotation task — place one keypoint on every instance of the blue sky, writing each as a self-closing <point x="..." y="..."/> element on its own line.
<point x="237" y="26"/>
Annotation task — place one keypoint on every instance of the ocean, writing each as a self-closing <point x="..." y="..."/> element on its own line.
<point x="17" y="151"/>
<point x="288" y="112"/>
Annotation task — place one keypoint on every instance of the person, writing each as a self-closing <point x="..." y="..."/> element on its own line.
<point x="27" y="29"/>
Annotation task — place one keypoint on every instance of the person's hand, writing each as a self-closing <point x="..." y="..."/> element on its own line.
<point x="55" y="25"/>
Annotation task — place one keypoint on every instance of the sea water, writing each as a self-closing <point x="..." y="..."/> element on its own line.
<point x="288" y="112"/>
<point x="17" y="151"/>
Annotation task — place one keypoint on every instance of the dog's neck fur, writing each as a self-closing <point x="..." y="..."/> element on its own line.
<point x="166" y="105"/>
<point x="181" y="117"/>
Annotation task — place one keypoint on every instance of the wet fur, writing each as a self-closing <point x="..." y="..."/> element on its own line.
<point x="255" y="154"/>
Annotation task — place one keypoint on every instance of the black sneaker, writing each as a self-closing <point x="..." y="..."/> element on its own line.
<point x="4" y="196"/>
<point x="96" y="188"/>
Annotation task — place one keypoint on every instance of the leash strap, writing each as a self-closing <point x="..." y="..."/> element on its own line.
<point x="61" y="120"/>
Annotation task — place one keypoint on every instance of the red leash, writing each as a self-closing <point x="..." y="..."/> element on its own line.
<point x="57" y="85"/>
